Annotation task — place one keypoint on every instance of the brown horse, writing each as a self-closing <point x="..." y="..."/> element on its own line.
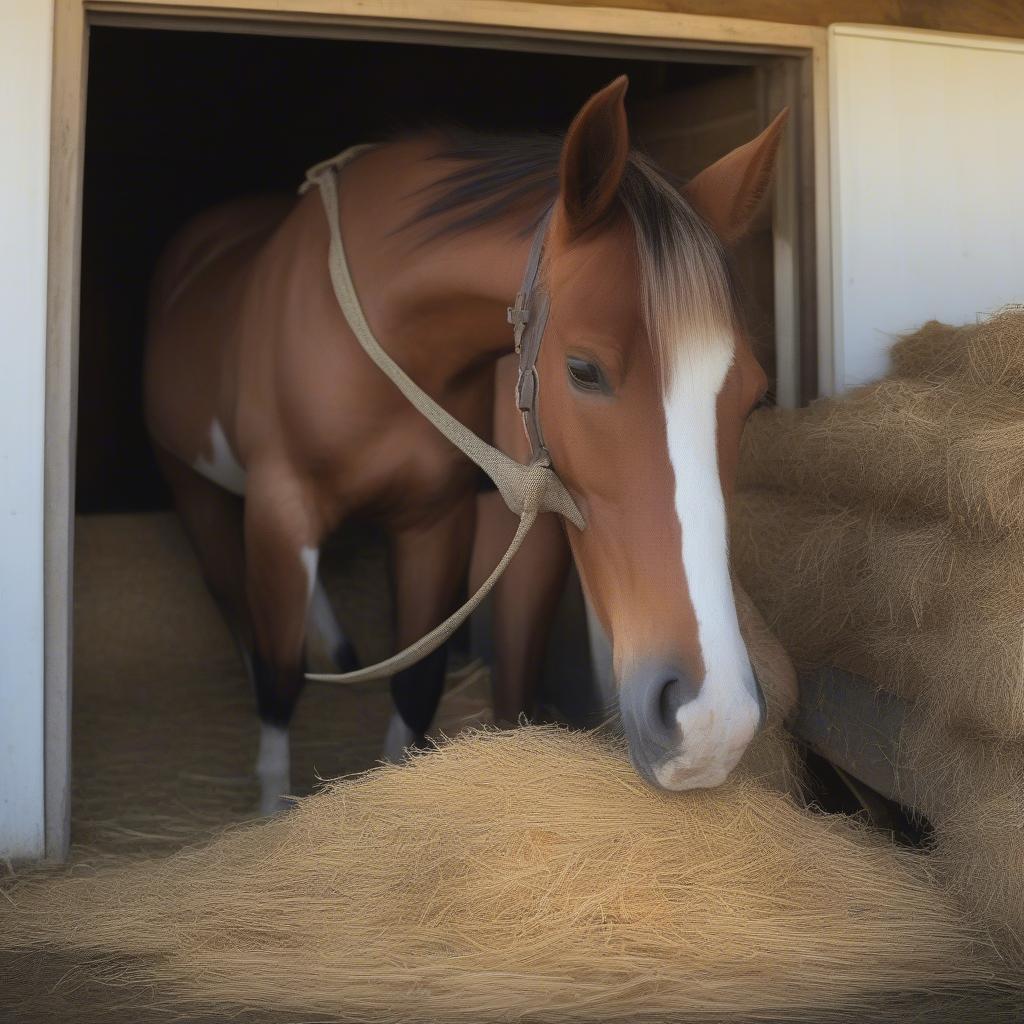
<point x="273" y="426"/>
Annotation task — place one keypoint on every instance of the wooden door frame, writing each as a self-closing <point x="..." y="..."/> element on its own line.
<point x="496" y="22"/>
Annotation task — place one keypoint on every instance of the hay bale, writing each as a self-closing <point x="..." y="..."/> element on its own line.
<point x="913" y="609"/>
<point x="943" y="439"/>
<point x="527" y="875"/>
<point x="973" y="794"/>
<point x="883" y="533"/>
<point x="988" y="354"/>
<point x="913" y="450"/>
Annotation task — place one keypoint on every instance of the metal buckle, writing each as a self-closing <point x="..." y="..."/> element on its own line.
<point x="519" y="317"/>
<point x="520" y="312"/>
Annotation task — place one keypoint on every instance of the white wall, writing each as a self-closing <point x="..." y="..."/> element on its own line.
<point x="927" y="136"/>
<point x="25" y="71"/>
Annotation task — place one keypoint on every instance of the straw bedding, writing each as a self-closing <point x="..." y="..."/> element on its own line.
<point x="883" y="533"/>
<point x="526" y="875"/>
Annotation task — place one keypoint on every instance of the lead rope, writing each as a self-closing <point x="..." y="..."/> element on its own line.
<point x="527" y="490"/>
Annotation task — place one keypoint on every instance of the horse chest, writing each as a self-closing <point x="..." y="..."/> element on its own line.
<point x="420" y="478"/>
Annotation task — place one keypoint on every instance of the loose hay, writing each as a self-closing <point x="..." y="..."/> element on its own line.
<point x="523" y="875"/>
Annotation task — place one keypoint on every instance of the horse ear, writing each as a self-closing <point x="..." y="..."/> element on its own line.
<point x="594" y="158"/>
<point x="727" y="193"/>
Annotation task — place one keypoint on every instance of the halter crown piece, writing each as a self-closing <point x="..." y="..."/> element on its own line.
<point x="527" y="490"/>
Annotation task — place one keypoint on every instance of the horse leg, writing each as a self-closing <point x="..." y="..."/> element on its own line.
<point x="324" y="626"/>
<point x="428" y="568"/>
<point x="212" y="520"/>
<point x="282" y="544"/>
<point x="524" y="601"/>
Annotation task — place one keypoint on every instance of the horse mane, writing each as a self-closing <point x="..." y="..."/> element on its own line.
<point x="686" y="279"/>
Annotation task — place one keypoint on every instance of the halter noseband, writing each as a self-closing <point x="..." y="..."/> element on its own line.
<point x="527" y="490"/>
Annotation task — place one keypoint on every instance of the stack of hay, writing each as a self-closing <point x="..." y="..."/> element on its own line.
<point x="526" y="875"/>
<point x="883" y="533"/>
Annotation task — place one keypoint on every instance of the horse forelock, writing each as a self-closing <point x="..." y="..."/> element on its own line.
<point x="687" y="298"/>
<point x="686" y="291"/>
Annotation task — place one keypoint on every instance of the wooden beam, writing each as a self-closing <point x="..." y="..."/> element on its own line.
<point x="979" y="17"/>
<point x="67" y="136"/>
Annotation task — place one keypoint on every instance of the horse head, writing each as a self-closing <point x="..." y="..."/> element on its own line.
<point x="647" y="379"/>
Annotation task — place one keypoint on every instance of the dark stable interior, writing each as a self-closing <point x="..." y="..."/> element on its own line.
<point x="179" y="121"/>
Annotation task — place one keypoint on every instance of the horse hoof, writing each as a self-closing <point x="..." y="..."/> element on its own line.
<point x="398" y="740"/>
<point x="271" y="805"/>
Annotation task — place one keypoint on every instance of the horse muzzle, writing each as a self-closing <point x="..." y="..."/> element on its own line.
<point x="686" y="735"/>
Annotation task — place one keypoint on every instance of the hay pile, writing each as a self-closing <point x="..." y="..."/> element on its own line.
<point x="524" y="875"/>
<point x="883" y="533"/>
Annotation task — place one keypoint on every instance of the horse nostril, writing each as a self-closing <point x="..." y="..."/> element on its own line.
<point x="650" y="699"/>
<point x="674" y="694"/>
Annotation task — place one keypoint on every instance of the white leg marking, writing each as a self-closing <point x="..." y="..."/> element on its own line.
<point x="322" y="621"/>
<point x="222" y="467"/>
<point x="310" y="558"/>
<point x="398" y="737"/>
<point x="719" y="723"/>
<point x="273" y="766"/>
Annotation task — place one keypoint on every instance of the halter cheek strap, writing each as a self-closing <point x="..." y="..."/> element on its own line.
<point x="529" y="317"/>
<point x="527" y="490"/>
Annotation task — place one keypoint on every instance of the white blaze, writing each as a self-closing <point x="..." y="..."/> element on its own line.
<point x="718" y="724"/>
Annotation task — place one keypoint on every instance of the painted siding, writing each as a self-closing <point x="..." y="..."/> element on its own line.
<point x="25" y="70"/>
<point x="927" y="206"/>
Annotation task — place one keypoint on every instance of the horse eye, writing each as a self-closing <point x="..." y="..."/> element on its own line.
<point x="586" y="376"/>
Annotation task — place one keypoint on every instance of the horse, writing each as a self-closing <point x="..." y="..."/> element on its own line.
<point x="273" y="427"/>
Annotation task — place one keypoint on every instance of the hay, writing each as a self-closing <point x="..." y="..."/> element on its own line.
<point x="913" y="450"/>
<point x="883" y="533"/>
<point x="943" y="439"/>
<point x="974" y="796"/>
<point x="988" y="354"/>
<point x="524" y="875"/>
<point x="912" y="608"/>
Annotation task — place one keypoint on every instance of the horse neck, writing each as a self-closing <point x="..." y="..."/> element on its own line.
<point x="437" y="305"/>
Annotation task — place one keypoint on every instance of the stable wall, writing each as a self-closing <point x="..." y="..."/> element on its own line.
<point x="26" y="28"/>
<point x="927" y="203"/>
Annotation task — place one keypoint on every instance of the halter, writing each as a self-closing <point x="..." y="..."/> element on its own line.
<point x="527" y="490"/>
